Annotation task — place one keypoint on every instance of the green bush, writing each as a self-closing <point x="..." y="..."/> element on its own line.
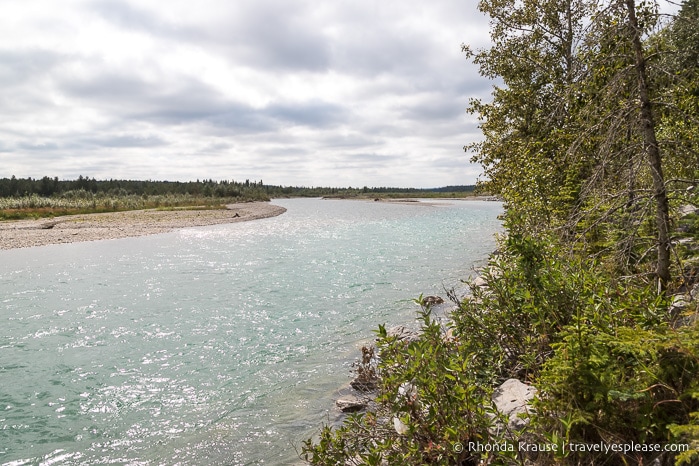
<point x="427" y="409"/>
<point x="532" y="294"/>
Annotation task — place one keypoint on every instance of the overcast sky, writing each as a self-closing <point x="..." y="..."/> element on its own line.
<point x="292" y="92"/>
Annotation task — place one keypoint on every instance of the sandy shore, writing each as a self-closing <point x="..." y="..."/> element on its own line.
<point x="91" y="227"/>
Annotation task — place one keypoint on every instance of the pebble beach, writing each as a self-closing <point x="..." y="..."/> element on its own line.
<point x="113" y="225"/>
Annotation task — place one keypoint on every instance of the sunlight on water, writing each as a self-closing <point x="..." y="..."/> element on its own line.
<point x="213" y="345"/>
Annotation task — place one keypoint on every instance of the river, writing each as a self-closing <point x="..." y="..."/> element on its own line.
<point x="213" y="345"/>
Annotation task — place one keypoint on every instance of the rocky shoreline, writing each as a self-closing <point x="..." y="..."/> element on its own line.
<point x="359" y="394"/>
<point x="92" y="227"/>
<point x="512" y="399"/>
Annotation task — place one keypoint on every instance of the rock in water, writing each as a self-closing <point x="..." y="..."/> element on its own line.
<point x="350" y="404"/>
<point x="432" y="300"/>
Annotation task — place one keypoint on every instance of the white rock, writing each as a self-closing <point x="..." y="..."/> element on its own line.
<point x="694" y="294"/>
<point x="480" y="282"/>
<point x="512" y="399"/>
<point x="680" y="302"/>
<point x="687" y="210"/>
<point x="400" y="427"/>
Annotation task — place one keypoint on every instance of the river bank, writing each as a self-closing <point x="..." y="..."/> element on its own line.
<point x="113" y="225"/>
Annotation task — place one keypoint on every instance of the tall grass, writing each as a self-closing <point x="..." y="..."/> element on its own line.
<point x="81" y="202"/>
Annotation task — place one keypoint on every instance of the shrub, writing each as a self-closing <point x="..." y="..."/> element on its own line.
<point x="428" y="407"/>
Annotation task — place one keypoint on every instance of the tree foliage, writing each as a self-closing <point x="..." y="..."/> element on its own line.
<point x="578" y="138"/>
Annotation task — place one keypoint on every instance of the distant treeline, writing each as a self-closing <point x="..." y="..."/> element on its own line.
<point x="53" y="187"/>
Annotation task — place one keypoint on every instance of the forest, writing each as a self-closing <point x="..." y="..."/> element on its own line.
<point x="53" y="187"/>
<point x="590" y="301"/>
<point x="49" y="197"/>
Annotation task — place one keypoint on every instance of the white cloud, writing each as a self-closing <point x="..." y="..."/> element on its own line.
<point x="336" y="93"/>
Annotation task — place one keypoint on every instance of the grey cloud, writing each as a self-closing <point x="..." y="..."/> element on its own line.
<point x="317" y="114"/>
<point x="313" y="114"/>
<point x="39" y="146"/>
<point x="372" y="158"/>
<point x="109" y="86"/>
<point x="191" y="101"/>
<point x="80" y="142"/>
<point x="21" y="101"/>
<point x="349" y="161"/>
<point x="434" y="107"/>
<point x="22" y="67"/>
<point x="274" y="35"/>
<point x="279" y="37"/>
<point x="186" y="101"/>
<point x="471" y="87"/>
<point x="388" y="40"/>
<point x="375" y="52"/>
<point x="338" y="140"/>
<point x="24" y="76"/>
<point x="123" y="141"/>
<point x="124" y="15"/>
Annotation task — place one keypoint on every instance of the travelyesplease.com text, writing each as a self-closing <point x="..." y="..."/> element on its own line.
<point x="564" y="448"/>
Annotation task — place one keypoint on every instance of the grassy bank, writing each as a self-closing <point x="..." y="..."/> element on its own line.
<point x="84" y="202"/>
<point x="34" y="206"/>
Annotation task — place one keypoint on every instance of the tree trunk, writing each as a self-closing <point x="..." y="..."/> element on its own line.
<point x="650" y="143"/>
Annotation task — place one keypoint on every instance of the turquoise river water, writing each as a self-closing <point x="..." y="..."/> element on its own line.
<point x="219" y="345"/>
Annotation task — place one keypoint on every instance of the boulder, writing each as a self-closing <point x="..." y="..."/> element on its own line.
<point x="686" y="321"/>
<point x="350" y="404"/>
<point x="48" y="225"/>
<point x="432" y="300"/>
<point x="480" y="282"/>
<point x="680" y="302"/>
<point x="688" y="209"/>
<point x="403" y="333"/>
<point x="512" y="399"/>
<point x="694" y="293"/>
<point x="685" y="308"/>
